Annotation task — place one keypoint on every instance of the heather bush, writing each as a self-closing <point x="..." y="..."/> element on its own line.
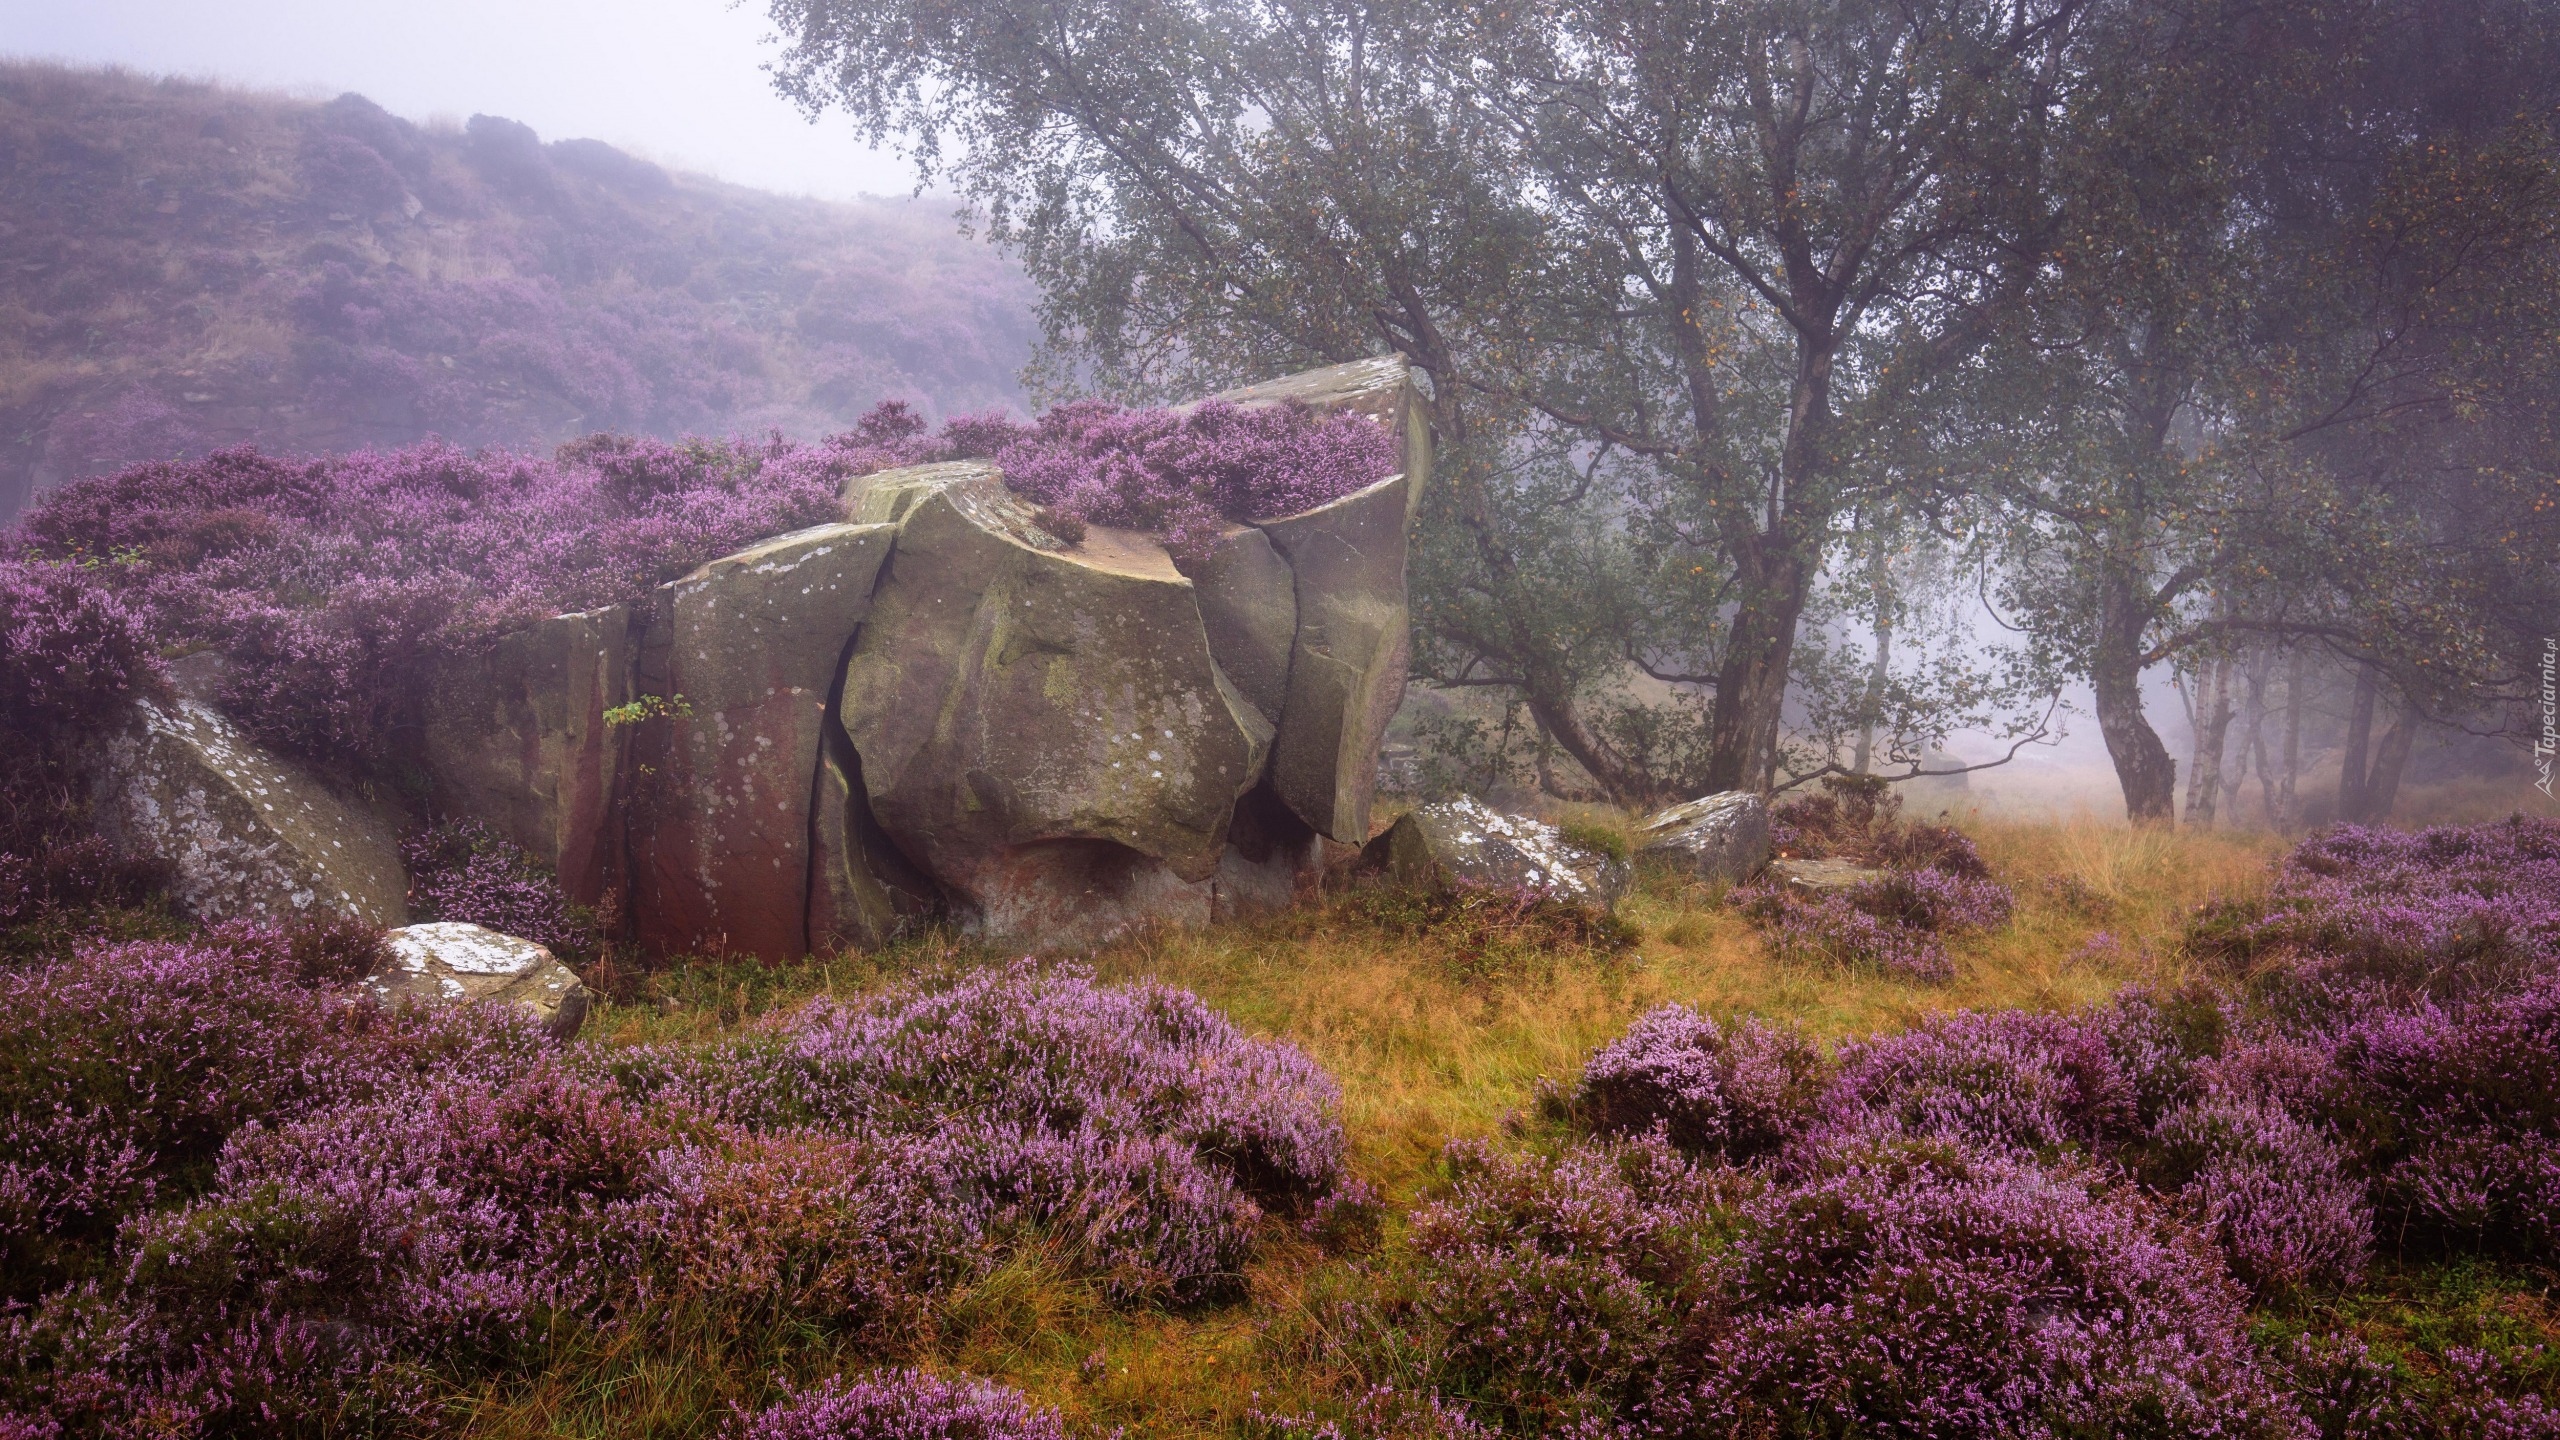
<point x="72" y="655"/>
<point x="1135" y="1128"/>
<point x="2274" y="1193"/>
<point x="1925" y="1290"/>
<point x="1739" y="1091"/>
<point x="903" y="1405"/>
<point x="2009" y="1081"/>
<point x="1936" y="884"/>
<point x="461" y="870"/>
<point x="124" y="1071"/>
<point x="2347" y="1392"/>
<point x="1185" y="475"/>
<point x="1550" y="1287"/>
<point x="1831" y="929"/>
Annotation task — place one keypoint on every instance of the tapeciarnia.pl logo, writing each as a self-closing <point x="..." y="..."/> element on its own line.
<point x="2548" y="743"/>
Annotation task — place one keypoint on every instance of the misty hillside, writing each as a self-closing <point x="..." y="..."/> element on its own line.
<point x="184" y="266"/>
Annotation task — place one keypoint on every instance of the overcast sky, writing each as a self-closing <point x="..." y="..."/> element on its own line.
<point x="679" y="81"/>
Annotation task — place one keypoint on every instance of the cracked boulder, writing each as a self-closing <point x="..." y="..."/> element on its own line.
<point x="1467" y="842"/>
<point x="250" y="834"/>
<point x="448" y="963"/>
<point x="735" y="673"/>
<point x="1350" y="643"/>
<point x="517" y="735"/>
<point x="1724" y="836"/>
<point x="1042" y="725"/>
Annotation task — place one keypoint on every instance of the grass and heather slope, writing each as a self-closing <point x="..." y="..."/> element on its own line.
<point x="184" y="266"/>
<point x="2202" y="1136"/>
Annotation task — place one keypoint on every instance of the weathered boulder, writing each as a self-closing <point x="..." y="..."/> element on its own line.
<point x="1467" y="842"/>
<point x="863" y="892"/>
<point x="1724" y="836"/>
<point x="1041" y="726"/>
<point x="1815" y="878"/>
<point x="1249" y="606"/>
<point x="251" y="834"/>
<point x="448" y="963"/>
<point x="1349" y="650"/>
<point x="742" y="654"/>
<point x="517" y="736"/>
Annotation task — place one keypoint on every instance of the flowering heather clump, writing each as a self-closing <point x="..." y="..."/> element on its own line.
<point x="463" y="871"/>
<point x="1740" y="1091"/>
<point x="1136" y="1125"/>
<point x="2360" y="916"/>
<point x="123" y="1071"/>
<point x="903" y="1405"/>
<point x="1937" y="884"/>
<point x="1832" y="929"/>
<point x="2345" y="1390"/>
<point x="2007" y="1080"/>
<point x="1924" y="1291"/>
<point x="1552" y="1286"/>
<point x="2273" y="1192"/>
<point x="1185" y="475"/>
<point x="2457" y="1112"/>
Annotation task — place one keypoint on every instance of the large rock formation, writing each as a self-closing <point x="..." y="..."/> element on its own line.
<point x="447" y="963"/>
<point x="741" y="655"/>
<point x="935" y="707"/>
<point x="250" y="834"/>
<point x="518" y="736"/>
<point x="1040" y="724"/>
<point x="1346" y="560"/>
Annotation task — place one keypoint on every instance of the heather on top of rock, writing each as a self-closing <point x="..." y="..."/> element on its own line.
<point x="324" y="583"/>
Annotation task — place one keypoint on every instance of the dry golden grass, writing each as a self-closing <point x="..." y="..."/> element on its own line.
<point x="1429" y="1045"/>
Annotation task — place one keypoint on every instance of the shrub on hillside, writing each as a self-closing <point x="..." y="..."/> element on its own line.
<point x="124" y="1071"/>
<point x="1186" y="475"/>
<point x="1137" y="1125"/>
<point x="1925" y="1290"/>
<point x="1936" y="884"/>
<point x="1551" y="1286"/>
<point x="2004" y="1080"/>
<point x="1740" y="1091"/>
<point x="2274" y="1192"/>
<point x="461" y="870"/>
<point x="903" y="1405"/>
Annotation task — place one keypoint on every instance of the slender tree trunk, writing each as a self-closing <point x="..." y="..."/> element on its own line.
<point x="2351" y="765"/>
<point x="1751" y="688"/>
<point x="1871" y="706"/>
<point x="2213" y="728"/>
<point x="2390" y="757"/>
<point x="2253" y="749"/>
<point x="2144" y="770"/>
<point x="2286" y="811"/>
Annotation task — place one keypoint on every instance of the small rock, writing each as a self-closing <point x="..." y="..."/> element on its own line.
<point x="1469" y="842"/>
<point x="1823" y="877"/>
<point x="449" y="963"/>
<point x="1724" y="836"/>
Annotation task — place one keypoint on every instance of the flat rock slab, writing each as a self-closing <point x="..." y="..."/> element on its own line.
<point x="450" y="963"/>
<point x="1724" y="836"/>
<point x="750" y="645"/>
<point x="1467" y="842"/>
<point x="517" y="736"/>
<point x="251" y="834"/>
<point x="1823" y="877"/>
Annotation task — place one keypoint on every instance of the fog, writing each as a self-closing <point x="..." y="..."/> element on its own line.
<point x="679" y="81"/>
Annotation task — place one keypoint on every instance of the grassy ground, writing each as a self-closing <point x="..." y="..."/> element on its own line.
<point x="1433" y="1039"/>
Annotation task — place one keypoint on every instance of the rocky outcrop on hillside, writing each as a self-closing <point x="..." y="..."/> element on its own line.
<point x="939" y="707"/>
